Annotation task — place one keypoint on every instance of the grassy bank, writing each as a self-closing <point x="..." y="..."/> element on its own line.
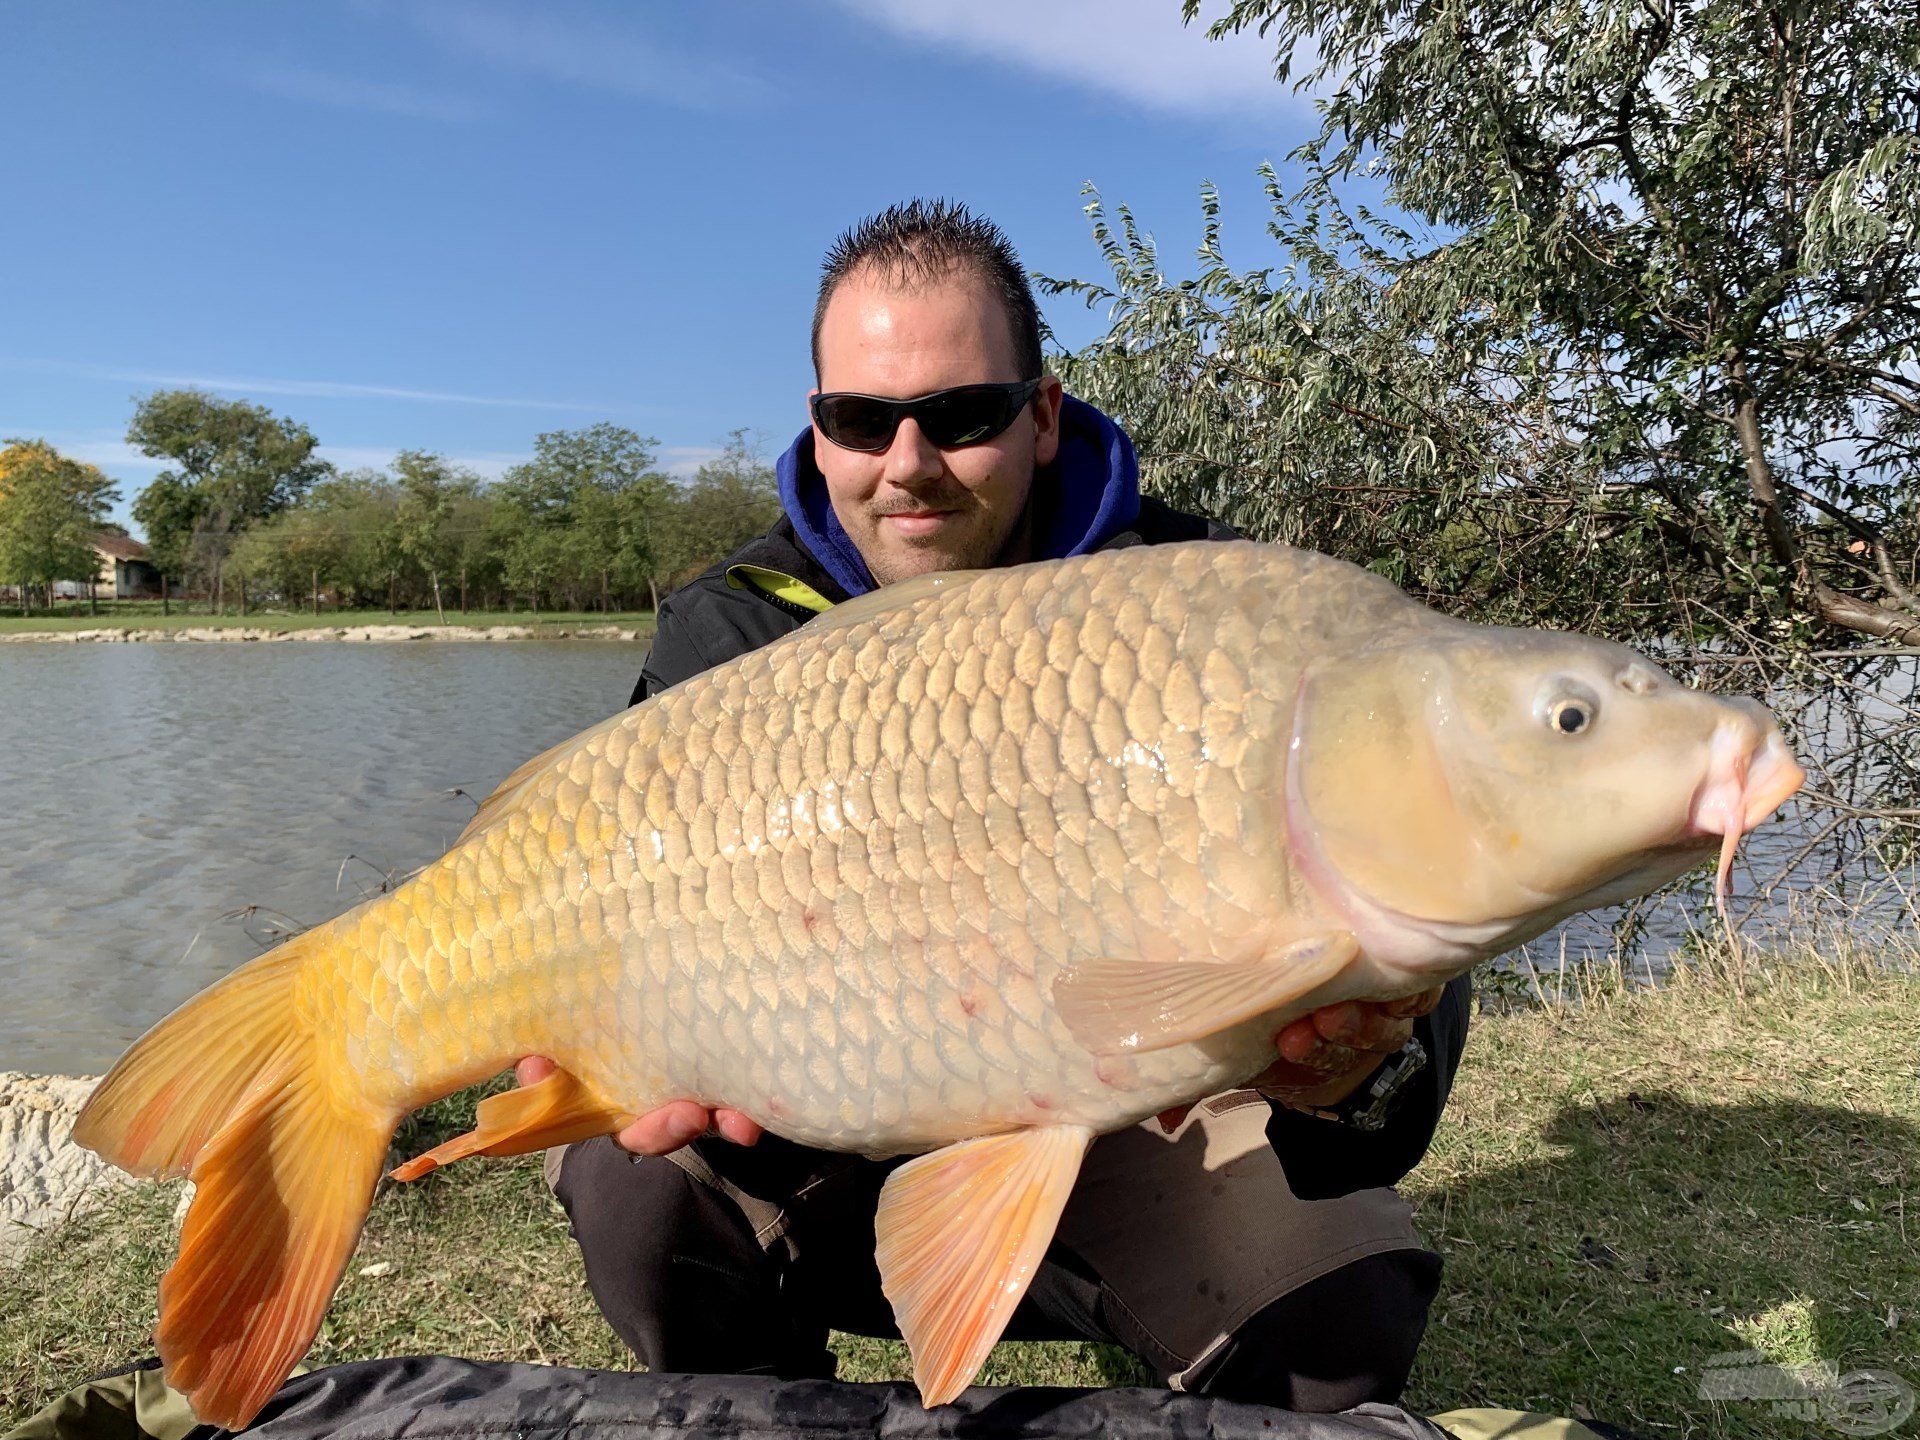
<point x="1624" y="1187"/>
<point x="146" y="615"/>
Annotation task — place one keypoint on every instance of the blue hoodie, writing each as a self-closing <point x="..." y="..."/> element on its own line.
<point x="1089" y="494"/>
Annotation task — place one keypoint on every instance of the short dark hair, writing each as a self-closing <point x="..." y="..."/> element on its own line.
<point x="921" y="242"/>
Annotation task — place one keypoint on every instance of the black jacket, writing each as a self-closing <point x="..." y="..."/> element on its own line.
<point x="716" y="618"/>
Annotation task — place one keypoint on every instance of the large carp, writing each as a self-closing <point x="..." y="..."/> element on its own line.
<point x="981" y="865"/>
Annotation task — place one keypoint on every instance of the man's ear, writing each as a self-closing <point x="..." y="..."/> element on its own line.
<point x="1047" y="402"/>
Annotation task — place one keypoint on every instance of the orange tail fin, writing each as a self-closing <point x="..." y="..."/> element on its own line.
<point x="230" y="1090"/>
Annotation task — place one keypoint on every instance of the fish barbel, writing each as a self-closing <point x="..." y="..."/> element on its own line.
<point x="974" y="868"/>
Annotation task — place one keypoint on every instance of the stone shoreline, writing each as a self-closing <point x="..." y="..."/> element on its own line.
<point x="135" y="634"/>
<point x="44" y="1176"/>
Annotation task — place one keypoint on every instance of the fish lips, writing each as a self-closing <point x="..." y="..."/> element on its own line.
<point x="1744" y="784"/>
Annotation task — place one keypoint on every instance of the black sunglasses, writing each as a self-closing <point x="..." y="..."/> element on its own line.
<point x="964" y="415"/>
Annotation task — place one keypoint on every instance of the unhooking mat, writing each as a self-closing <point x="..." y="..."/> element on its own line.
<point x="438" y="1398"/>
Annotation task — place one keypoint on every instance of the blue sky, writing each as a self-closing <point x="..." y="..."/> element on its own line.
<point x="452" y="224"/>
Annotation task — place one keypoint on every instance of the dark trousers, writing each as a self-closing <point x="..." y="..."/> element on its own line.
<point x="1188" y="1251"/>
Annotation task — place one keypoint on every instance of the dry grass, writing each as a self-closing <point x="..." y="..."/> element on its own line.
<point x="1627" y="1183"/>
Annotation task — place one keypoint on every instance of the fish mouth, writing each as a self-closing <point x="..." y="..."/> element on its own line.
<point x="1749" y="776"/>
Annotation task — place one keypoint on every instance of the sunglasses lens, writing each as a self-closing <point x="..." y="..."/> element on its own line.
<point x="964" y="417"/>
<point x="856" y="422"/>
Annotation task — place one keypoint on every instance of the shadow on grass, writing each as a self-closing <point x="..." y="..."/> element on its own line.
<point x="1642" y="1236"/>
<point x="1633" y="1271"/>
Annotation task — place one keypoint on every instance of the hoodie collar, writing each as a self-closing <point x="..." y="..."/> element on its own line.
<point x="1089" y="494"/>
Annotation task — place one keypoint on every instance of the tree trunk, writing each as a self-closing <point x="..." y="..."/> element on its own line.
<point x="605" y="608"/>
<point x="166" y="604"/>
<point x="316" y="589"/>
<point x="243" y="597"/>
<point x="1831" y="605"/>
<point x="219" y="592"/>
<point x="26" y="599"/>
<point x="393" y="592"/>
<point x="535" y="595"/>
<point x="93" y="600"/>
<point x="463" y="590"/>
<point x="653" y="596"/>
<point x="439" y="609"/>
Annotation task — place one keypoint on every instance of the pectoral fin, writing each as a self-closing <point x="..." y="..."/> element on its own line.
<point x="1116" y="1006"/>
<point x="558" y="1110"/>
<point x="960" y="1233"/>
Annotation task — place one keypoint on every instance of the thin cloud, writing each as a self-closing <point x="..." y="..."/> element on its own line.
<point x="117" y="456"/>
<point x="683" y="462"/>
<point x="309" y="389"/>
<point x="596" y="48"/>
<point x="109" y="455"/>
<point x="1136" y="50"/>
<point x="346" y="92"/>
<point x="487" y="465"/>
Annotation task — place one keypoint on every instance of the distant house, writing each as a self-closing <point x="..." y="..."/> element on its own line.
<point x="125" y="572"/>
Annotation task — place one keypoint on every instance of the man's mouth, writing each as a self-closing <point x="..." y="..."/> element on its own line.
<point x="917" y="522"/>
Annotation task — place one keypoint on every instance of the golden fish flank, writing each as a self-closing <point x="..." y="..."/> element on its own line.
<point x="1028" y="854"/>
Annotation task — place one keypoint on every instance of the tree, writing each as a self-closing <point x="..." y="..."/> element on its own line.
<point x="1683" y="238"/>
<point x="583" y="511"/>
<point x="1632" y="349"/>
<point x="233" y="464"/>
<point x="731" y="499"/>
<point x="51" y="507"/>
<point x="429" y="487"/>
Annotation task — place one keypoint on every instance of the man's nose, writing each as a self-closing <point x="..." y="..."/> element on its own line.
<point x="912" y="459"/>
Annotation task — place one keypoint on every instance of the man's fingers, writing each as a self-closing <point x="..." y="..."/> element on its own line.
<point x="662" y="1131"/>
<point x="532" y="1070"/>
<point x="740" y="1129"/>
<point x="1299" y="1041"/>
<point x="1414" y="1006"/>
<point x="665" y="1130"/>
<point x="1362" y="1027"/>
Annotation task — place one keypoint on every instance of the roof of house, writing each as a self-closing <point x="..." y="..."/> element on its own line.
<point x="119" y="547"/>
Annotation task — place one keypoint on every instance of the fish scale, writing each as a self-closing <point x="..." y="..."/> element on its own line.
<point x="880" y="875"/>
<point x="980" y="866"/>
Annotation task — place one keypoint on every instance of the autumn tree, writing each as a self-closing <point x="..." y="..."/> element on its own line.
<point x="51" y="506"/>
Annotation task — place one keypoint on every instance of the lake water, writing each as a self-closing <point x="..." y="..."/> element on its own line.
<point x="148" y="790"/>
<point x="151" y="791"/>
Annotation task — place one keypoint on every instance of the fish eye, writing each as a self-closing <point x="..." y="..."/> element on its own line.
<point x="1570" y="716"/>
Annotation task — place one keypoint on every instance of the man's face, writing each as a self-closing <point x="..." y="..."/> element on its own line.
<point x="914" y="508"/>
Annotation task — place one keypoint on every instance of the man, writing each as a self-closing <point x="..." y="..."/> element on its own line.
<point x="713" y="1248"/>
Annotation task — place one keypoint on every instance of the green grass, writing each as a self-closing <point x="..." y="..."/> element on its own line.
<point x="145" y="615"/>
<point x="1625" y="1186"/>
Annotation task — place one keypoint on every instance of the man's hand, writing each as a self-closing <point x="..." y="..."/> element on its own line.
<point x="668" y="1128"/>
<point x="1325" y="1055"/>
